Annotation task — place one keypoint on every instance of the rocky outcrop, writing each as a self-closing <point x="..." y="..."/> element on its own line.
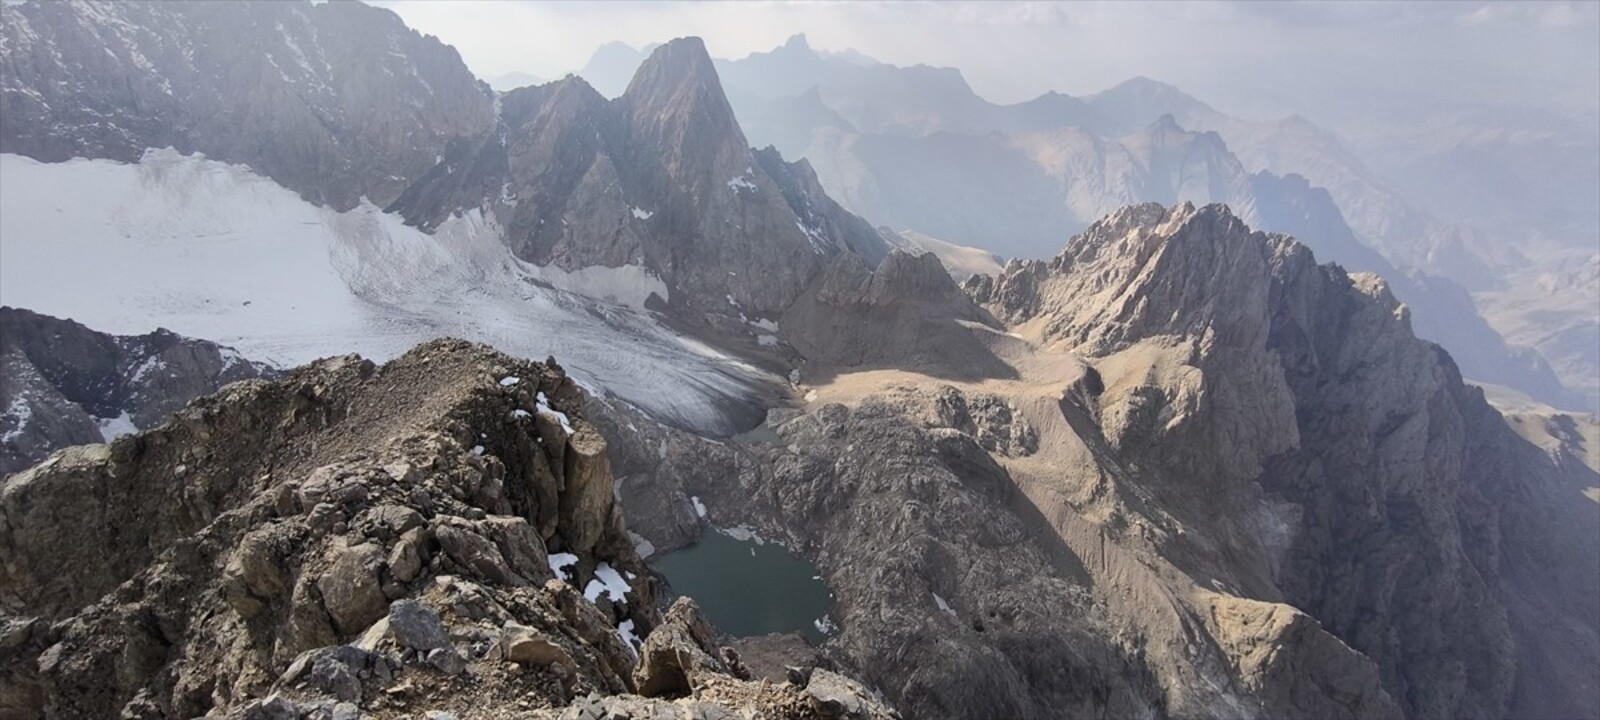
<point x="1394" y="503"/>
<point x="959" y="598"/>
<point x="660" y="178"/>
<point x="68" y="385"/>
<point x="437" y="534"/>
<point x="337" y="101"/>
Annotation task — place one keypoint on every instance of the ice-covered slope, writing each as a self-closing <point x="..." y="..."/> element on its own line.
<point x="214" y="251"/>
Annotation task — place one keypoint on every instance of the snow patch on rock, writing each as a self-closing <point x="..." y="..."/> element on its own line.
<point x="560" y="564"/>
<point x="608" y="582"/>
<point x="18" y="413"/>
<point x="112" y="428"/>
<point x="554" y="414"/>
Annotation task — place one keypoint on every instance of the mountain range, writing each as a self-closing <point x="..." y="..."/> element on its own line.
<point x="916" y="148"/>
<point x="1175" y="464"/>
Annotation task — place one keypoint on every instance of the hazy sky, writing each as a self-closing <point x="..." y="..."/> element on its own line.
<point x="1246" y="57"/>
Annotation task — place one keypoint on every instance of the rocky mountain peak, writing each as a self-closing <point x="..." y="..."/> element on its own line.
<point x="1139" y="100"/>
<point x="1147" y="270"/>
<point x="901" y="277"/>
<point x="1228" y="354"/>
<point x="612" y="66"/>
<point x="797" y="43"/>
<point x="904" y="275"/>
<point x="1166" y="124"/>
<point x="660" y="180"/>
<point x="676" y="103"/>
<point x="908" y="313"/>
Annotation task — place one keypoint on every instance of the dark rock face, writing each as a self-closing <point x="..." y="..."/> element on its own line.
<point x="337" y="101"/>
<point x="660" y="177"/>
<point x="1398" y="508"/>
<point x="902" y="315"/>
<point x="1442" y="310"/>
<point x="64" y="382"/>
<point x="1472" y="575"/>
<point x="358" y="536"/>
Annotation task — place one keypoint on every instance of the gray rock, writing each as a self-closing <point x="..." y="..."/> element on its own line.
<point x="447" y="660"/>
<point x="337" y="670"/>
<point x="274" y="707"/>
<point x="678" y="654"/>
<point x="837" y="696"/>
<point x="389" y="521"/>
<point x="416" y="626"/>
<point x="333" y="675"/>
<point x="350" y="588"/>
<point x="522" y="644"/>
<point x="405" y="560"/>
<point x="586" y="501"/>
<point x="462" y="541"/>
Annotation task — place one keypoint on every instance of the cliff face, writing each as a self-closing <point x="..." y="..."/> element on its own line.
<point x="438" y="533"/>
<point x="1394" y="505"/>
<point x="68" y="385"/>
<point x="337" y="101"/>
<point x="963" y="590"/>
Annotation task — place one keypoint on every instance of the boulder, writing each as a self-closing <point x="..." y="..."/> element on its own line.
<point x="523" y="644"/>
<point x="416" y="626"/>
<point x="678" y="654"/>
<point x="350" y="588"/>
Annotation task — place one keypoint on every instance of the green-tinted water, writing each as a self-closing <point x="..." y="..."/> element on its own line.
<point x="749" y="588"/>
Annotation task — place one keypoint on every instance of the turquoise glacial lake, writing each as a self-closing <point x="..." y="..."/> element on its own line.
<point x="749" y="587"/>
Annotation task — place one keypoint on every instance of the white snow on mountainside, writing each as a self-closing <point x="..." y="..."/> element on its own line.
<point x="214" y="251"/>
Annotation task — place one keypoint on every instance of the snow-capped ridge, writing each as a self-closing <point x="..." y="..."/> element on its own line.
<point x="212" y="250"/>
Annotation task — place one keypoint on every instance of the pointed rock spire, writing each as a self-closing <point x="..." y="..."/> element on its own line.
<point x="676" y="103"/>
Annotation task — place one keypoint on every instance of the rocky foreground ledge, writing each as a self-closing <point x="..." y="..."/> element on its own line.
<point x="436" y="537"/>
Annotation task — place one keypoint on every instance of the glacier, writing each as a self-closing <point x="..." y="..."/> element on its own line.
<point x="215" y="251"/>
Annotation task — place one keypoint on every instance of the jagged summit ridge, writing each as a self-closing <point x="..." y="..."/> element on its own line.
<point x="659" y="179"/>
<point x="1230" y="358"/>
<point x="436" y="534"/>
<point x="1144" y="270"/>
